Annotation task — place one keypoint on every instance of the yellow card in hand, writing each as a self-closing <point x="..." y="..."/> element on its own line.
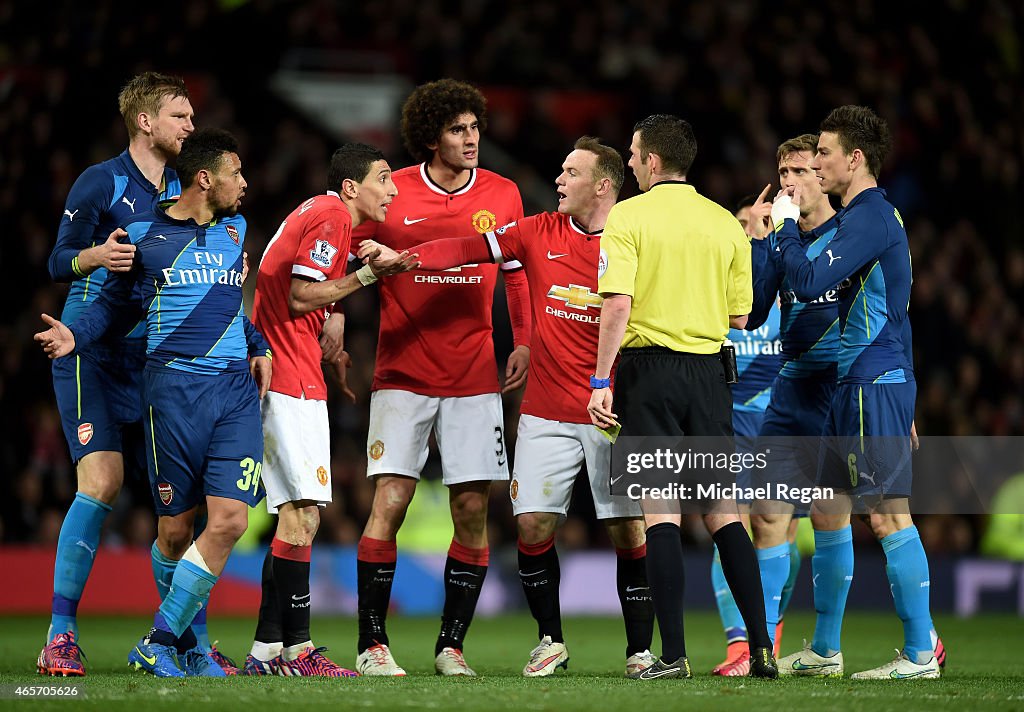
<point x="611" y="433"/>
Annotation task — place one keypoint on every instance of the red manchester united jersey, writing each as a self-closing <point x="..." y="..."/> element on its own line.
<point x="312" y="243"/>
<point x="562" y="262"/>
<point x="435" y="327"/>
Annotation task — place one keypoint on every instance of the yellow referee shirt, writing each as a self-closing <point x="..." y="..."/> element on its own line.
<point x="685" y="261"/>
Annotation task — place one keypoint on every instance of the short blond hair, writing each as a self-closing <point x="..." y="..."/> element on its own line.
<point x="144" y="94"/>
<point x="609" y="161"/>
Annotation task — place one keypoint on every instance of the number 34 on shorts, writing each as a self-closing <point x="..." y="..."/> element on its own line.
<point x="250" y="478"/>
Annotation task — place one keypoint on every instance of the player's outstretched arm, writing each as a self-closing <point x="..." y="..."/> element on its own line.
<point x="384" y="261"/>
<point x="439" y="254"/>
<point x="56" y="341"/>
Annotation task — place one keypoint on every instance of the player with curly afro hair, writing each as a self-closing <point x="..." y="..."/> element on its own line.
<point x="432" y="107"/>
<point x="436" y="368"/>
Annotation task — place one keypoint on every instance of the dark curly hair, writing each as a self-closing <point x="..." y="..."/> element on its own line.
<point x="433" y="106"/>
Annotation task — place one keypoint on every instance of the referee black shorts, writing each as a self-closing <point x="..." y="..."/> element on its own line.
<point x="660" y="392"/>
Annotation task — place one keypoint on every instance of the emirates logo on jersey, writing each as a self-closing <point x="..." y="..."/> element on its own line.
<point x="232" y="232"/>
<point x="484" y="221"/>
<point x="321" y="475"/>
<point x="85" y="433"/>
<point x="166" y="492"/>
<point x="576" y="296"/>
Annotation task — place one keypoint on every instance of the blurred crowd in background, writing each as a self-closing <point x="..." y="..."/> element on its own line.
<point x="747" y="75"/>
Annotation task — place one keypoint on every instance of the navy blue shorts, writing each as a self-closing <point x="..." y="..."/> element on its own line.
<point x="204" y="438"/>
<point x="866" y="445"/>
<point x="99" y="397"/>
<point x="791" y="433"/>
<point x="747" y="424"/>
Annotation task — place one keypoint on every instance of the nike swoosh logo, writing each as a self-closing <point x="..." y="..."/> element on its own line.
<point x="407" y="221"/>
<point x="630" y="589"/>
<point x="385" y="571"/>
<point x="151" y="661"/>
<point x="535" y="573"/>
<point x="453" y="572"/>
<point x="651" y="672"/>
<point x="555" y="257"/>
<point x="612" y="482"/>
<point x="903" y="676"/>
<point x="800" y="665"/>
<point x="299" y="598"/>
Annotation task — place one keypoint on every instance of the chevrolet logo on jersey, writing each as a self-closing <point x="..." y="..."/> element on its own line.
<point x="576" y="296"/>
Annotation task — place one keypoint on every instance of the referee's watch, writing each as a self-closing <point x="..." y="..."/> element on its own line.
<point x="596" y="382"/>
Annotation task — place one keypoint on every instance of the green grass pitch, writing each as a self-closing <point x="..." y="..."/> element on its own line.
<point x="984" y="670"/>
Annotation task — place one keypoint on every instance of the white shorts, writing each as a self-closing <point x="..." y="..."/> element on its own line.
<point x="470" y="434"/>
<point x="296" y="450"/>
<point x="549" y="454"/>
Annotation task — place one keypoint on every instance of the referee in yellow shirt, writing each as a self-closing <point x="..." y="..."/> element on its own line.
<point x="677" y="276"/>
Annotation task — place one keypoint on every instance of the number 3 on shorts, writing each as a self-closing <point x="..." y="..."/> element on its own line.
<point x="250" y="475"/>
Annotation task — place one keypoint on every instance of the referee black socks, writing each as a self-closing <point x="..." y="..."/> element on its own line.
<point x="540" y="575"/>
<point x="464" y="573"/>
<point x="739" y="564"/>
<point x="666" y="579"/>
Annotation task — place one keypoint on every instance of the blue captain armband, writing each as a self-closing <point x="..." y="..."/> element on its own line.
<point x="596" y="382"/>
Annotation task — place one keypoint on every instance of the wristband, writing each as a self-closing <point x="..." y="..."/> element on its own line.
<point x="365" y="275"/>
<point x="596" y="382"/>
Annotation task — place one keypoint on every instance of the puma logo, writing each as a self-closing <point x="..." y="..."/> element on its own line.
<point x="130" y="204"/>
<point x="71" y="215"/>
<point x="832" y="259"/>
